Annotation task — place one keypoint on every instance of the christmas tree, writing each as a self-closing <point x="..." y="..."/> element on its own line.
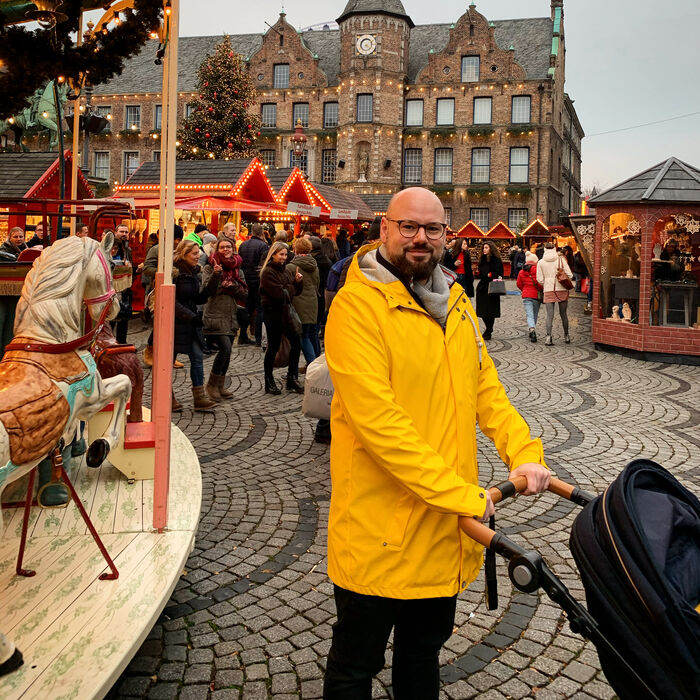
<point x="221" y="124"/>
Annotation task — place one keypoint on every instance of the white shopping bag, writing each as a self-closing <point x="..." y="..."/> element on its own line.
<point x="318" y="390"/>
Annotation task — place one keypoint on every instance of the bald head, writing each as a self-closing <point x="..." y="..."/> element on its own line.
<point x="422" y="204"/>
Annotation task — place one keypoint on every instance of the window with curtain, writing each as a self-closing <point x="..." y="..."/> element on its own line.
<point x="445" y="112"/>
<point x="330" y="115"/>
<point x="158" y="116"/>
<point x="470" y="69"/>
<point x="101" y="165"/>
<point x="300" y="111"/>
<point x="482" y="110"/>
<point x="133" y="117"/>
<point x="300" y="161"/>
<point x="516" y="217"/>
<point x="267" y="157"/>
<point x="481" y="165"/>
<point x="443" y="166"/>
<point x="520" y="109"/>
<point x="280" y="75"/>
<point x="413" y="166"/>
<point x="414" y="113"/>
<point x="131" y="163"/>
<point x="268" y="115"/>
<point x="519" y="164"/>
<point x="480" y="216"/>
<point x="365" y="107"/>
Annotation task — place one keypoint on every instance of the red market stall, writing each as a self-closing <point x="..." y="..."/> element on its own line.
<point x="646" y="245"/>
<point x="470" y="230"/>
<point x="536" y="232"/>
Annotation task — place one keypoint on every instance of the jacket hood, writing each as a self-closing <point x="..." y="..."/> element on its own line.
<point x="305" y="262"/>
<point x="550" y="255"/>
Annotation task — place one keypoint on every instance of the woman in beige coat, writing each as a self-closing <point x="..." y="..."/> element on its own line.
<point x="554" y="292"/>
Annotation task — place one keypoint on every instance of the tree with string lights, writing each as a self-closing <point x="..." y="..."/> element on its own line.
<point x="221" y="123"/>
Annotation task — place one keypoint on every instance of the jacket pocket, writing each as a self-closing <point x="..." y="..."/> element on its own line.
<point x="397" y="525"/>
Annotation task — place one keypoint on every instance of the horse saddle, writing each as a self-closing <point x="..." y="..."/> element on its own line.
<point x="33" y="409"/>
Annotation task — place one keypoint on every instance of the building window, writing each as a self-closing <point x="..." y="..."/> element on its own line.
<point x="158" y="117"/>
<point x="300" y="111"/>
<point x="519" y="164"/>
<point x="448" y="216"/>
<point x="106" y="112"/>
<point x="413" y="166"/>
<point x="330" y="115"/>
<point x="520" y="109"/>
<point x="101" y="165"/>
<point x="300" y="161"/>
<point x="131" y="163"/>
<point x="414" y="113"/>
<point x="516" y="218"/>
<point x="280" y="75"/>
<point x="328" y="166"/>
<point x="445" y="115"/>
<point x="133" y="117"/>
<point x="268" y="115"/>
<point x="267" y="157"/>
<point x="156" y="156"/>
<point x="443" y="165"/>
<point x="481" y="165"/>
<point x="189" y="109"/>
<point x="470" y="69"/>
<point x="365" y="108"/>
<point x="480" y="216"/>
<point x="482" y="110"/>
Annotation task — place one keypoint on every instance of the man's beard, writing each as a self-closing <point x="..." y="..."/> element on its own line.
<point x="420" y="270"/>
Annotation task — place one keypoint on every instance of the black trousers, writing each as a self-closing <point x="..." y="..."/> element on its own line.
<point x="360" y="636"/>
<point x="275" y="330"/>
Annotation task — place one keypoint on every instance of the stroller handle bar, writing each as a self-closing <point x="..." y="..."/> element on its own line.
<point x="506" y="489"/>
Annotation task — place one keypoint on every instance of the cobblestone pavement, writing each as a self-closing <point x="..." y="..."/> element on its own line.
<point x="251" y="616"/>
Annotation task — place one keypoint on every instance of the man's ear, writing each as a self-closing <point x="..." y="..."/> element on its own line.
<point x="107" y="244"/>
<point x="383" y="230"/>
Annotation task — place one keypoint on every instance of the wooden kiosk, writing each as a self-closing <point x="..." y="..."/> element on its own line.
<point x="646" y="244"/>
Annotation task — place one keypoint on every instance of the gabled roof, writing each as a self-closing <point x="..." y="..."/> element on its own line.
<point x="470" y="230"/>
<point x="340" y="199"/>
<point x="295" y="189"/>
<point x="532" y="39"/>
<point x="537" y="228"/>
<point x="670" y="181"/>
<point x="23" y="174"/>
<point x="499" y="230"/>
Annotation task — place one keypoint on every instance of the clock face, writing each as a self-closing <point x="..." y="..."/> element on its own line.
<point x="366" y="44"/>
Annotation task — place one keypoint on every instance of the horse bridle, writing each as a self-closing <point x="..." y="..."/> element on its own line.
<point x="83" y="341"/>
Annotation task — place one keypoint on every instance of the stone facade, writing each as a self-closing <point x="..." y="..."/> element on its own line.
<point x="475" y="110"/>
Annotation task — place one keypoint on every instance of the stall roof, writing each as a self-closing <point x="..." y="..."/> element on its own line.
<point x="341" y="199"/>
<point x="378" y="203"/>
<point x="470" y="230"/>
<point x="294" y="188"/>
<point x="499" y="230"/>
<point x="670" y="181"/>
<point x="536" y="228"/>
<point x="242" y="178"/>
<point x="24" y="174"/>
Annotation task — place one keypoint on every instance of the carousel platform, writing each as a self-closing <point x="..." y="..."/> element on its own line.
<point x="77" y="633"/>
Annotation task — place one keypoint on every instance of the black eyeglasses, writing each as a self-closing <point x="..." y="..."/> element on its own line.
<point x="408" y="229"/>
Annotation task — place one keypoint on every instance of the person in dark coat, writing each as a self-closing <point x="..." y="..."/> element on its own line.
<point x="488" y="306"/>
<point x="324" y="266"/>
<point x="253" y="252"/>
<point x="221" y="311"/>
<point x="458" y="259"/>
<point x="277" y="288"/>
<point x="343" y="244"/>
<point x="39" y="238"/>
<point x="518" y="263"/>
<point x="14" y="244"/>
<point x="188" y="320"/>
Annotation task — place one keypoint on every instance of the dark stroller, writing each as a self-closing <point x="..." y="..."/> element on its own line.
<point x="637" y="547"/>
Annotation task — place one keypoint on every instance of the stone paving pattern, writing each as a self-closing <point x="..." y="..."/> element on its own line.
<point x="251" y="616"/>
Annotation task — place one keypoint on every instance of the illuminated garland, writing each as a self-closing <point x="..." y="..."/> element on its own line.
<point x="29" y="59"/>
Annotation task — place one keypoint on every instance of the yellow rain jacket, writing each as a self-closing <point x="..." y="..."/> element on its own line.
<point x="403" y="454"/>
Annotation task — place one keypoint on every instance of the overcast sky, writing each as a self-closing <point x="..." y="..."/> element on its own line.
<point x="628" y="62"/>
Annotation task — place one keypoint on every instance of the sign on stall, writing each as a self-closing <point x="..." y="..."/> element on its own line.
<point x="305" y="209"/>
<point x="347" y="214"/>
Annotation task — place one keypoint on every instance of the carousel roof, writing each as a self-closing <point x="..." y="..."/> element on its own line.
<point x="670" y="181"/>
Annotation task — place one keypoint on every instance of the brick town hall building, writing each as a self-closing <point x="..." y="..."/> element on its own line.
<point x="474" y="110"/>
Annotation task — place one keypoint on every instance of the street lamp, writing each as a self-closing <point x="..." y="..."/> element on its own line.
<point x="298" y="140"/>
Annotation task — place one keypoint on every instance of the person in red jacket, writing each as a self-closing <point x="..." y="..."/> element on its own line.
<point x="530" y="289"/>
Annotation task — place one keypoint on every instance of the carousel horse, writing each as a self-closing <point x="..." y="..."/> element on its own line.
<point x="48" y="378"/>
<point x="112" y="359"/>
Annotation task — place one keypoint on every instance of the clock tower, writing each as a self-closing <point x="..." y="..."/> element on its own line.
<point x="374" y="40"/>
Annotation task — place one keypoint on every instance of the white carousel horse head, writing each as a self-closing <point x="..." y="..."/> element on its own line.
<point x="72" y="273"/>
